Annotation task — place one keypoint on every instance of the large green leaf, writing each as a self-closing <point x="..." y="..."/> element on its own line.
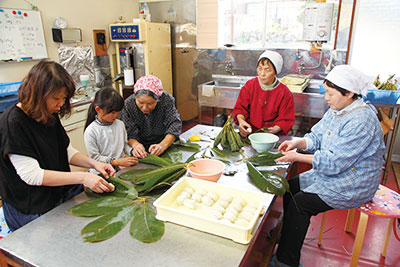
<point x="225" y="154"/>
<point x="167" y="181"/>
<point x="264" y="158"/>
<point x="173" y="154"/>
<point x="267" y="181"/>
<point x="189" y="146"/>
<point x="108" y="225"/>
<point x="161" y="174"/>
<point x="132" y="175"/>
<point x="100" y="206"/>
<point x="156" y="160"/>
<point x="277" y="178"/>
<point x="122" y="189"/>
<point x="145" y="227"/>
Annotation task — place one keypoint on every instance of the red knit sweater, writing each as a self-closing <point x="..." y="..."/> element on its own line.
<point x="265" y="108"/>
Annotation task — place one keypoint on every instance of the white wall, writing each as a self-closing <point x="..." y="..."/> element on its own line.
<point x="374" y="46"/>
<point x="84" y="14"/>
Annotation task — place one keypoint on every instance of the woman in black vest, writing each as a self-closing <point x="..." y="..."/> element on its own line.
<point x="36" y="151"/>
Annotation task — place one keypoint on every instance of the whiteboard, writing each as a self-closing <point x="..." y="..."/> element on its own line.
<point x="21" y="35"/>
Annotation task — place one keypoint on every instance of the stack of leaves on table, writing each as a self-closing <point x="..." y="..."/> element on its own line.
<point x="127" y="203"/>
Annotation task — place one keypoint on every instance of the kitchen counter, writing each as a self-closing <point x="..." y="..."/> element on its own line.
<point x="54" y="239"/>
<point x="83" y="97"/>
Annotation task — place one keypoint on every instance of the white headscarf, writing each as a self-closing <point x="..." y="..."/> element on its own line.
<point x="351" y="79"/>
<point x="275" y="58"/>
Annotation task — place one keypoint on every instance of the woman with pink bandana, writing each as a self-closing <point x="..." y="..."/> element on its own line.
<point x="151" y="119"/>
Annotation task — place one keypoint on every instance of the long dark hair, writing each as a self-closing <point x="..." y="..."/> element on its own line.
<point x="107" y="99"/>
<point x="44" y="79"/>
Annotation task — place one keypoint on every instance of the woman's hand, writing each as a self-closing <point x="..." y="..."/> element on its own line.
<point x="156" y="149"/>
<point x="244" y="128"/>
<point x="275" y="129"/>
<point x="286" y="146"/>
<point x="96" y="183"/>
<point x="138" y="151"/>
<point x="104" y="169"/>
<point x="125" y="162"/>
<point x="289" y="157"/>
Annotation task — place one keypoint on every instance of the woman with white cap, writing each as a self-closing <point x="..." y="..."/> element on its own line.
<point x="151" y="119"/>
<point x="265" y="102"/>
<point x="347" y="155"/>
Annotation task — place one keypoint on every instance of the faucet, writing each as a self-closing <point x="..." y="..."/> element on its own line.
<point x="301" y="67"/>
<point x="229" y="68"/>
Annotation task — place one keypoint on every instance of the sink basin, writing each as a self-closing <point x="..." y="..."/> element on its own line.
<point x="313" y="87"/>
<point x="230" y="80"/>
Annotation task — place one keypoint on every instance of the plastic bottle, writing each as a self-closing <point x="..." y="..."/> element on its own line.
<point x="145" y="11"/>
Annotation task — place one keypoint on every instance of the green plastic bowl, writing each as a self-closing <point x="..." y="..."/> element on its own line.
<point x="262" y="142"/>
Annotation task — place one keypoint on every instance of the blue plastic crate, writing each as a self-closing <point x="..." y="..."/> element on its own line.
<point x="382" y="96"/>
<point x="321" y="89"/>
<point x="9" y="88"/>
<point x="376" y="96"/>
<point x="8" y="101"/>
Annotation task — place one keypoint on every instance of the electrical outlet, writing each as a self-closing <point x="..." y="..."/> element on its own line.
<point x="100" y="43"/>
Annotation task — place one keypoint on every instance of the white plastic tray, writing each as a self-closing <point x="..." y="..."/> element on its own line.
<point x="200" y="218"/>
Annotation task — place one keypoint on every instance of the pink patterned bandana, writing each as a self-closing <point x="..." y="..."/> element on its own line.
<point x="151" y="83"/>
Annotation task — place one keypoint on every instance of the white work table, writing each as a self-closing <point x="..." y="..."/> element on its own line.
<point x="54" y="239"/>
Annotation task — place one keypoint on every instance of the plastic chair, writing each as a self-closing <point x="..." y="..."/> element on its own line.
<point x="385" y="204"/>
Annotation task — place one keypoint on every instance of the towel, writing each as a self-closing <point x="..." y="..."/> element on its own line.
<point x="208" y="90"/>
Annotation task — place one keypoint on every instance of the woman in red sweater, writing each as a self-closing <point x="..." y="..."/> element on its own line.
<point x="264" y="101"/>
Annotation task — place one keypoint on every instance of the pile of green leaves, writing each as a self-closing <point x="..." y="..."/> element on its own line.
<point x="124" y="204"/>
<point x="228" y="137"/>
<point x="117" y="209"/>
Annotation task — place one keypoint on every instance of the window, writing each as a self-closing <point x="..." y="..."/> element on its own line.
<point x="264" y="23"/>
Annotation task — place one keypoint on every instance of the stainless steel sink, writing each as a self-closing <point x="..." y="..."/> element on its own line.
<point x="222" y="91"/>
<point x="230" y="80"/>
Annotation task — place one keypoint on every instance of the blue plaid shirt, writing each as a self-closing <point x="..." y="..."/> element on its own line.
<point x="348" y="150"/>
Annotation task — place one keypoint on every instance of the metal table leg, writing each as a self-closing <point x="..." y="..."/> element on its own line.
<point x="392" y="142"/>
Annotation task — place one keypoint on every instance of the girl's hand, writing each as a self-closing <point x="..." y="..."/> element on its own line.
<point x="96" y="183"/>
<point x="138" y="151"/>
<point x="286" y="146"/>
<point x="127" y="161"/>
<point x="244" y="128"/>
<point x="289" y="157"/>
<point x="104" y="169"/>
<point x="156" y="149"/>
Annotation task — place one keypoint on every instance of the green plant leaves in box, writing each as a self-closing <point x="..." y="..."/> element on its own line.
<point x="145" y="227"/>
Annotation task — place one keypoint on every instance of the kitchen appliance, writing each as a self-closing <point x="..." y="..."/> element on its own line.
<point x="317" y="26"/>
<point x="145" y="47"/>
